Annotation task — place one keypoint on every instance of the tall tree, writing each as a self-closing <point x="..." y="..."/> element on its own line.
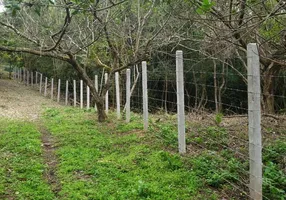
<point x="113" y="34"/>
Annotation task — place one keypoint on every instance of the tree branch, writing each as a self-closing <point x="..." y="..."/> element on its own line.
<point x="34" y="52"/>
<point x="62" y="31"/>
<point x="19" y="33"/>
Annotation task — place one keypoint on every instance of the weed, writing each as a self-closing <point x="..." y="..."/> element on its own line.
<point x="274" y="182"/>
<point x="97" y="165"/>
<point x="168" y="134"/>
<point x="214" y="169"/>
<point x="274" y="179"/>
<point x="275" y="152"/>
<point x="21" y="162"/>
<point x="143" y="189"/>
<point x="218" y="118"/>
<point x="116" y="160"/>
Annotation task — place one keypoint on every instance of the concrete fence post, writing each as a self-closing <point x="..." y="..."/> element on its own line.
<point x="180" y="102"/>
<point x="81" y="94"/>
<point x="128" y="94"/>
<point x="46" y="85"/>
<point x="32" y="78"/>
<point x="87" y="98"/>
<point x="74" y="93"/>
<point x="36" y="80"/>
<point x="28" y="78"/>
<point x="145" y="95"/>
<point x="67" y="93"/>
<point x="41" y="80"/>
<point x="14" y="73"/>
<point x="254" y="122"/>
<point x="96" y="88"/>
<point x="52" y="88"/>
<point x="59" y="90"/>
<point x="24" y="75"/>
<point x="117" y="94"/>
<point x="106" y="95"/>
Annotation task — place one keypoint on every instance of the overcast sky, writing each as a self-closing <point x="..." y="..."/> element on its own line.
<point x="1" y="6"/>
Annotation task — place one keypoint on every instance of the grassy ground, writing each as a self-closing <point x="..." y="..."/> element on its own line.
<point x="115" y="160"/>
<point x="21" y="163"/>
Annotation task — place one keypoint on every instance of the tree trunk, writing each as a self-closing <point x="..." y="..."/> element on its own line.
<point x="215" y="89"/>
<point x="96" y="98"/>
<point x="196" y="90"/>
<point x="100" y="110"/>
<point x="203" y="98"/>
<point x="220" y="92"/>
<point x="166" y="94"/>
<point x="268" y="89"/>
<point x="10" y="71"/>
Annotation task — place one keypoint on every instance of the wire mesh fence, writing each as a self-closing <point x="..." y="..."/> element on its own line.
<point x="238" y="144"/>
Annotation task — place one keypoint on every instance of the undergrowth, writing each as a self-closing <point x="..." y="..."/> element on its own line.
<point x="221" y="158"/>
<point x="118" y="160"/>
<point x="21" y="163"/>
<point x="115" y="160"/>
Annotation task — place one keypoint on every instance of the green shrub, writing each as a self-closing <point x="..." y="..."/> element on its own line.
<point x="218" y="118"/>
<point x="274" y="182"/>
<point x="215" y="170"/>
<point x="168" y="134"/>
<point x="274" y="179"/>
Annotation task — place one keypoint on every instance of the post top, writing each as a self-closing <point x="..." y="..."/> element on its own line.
<point x="179" y="52"/>
<point x="251" y="45"/>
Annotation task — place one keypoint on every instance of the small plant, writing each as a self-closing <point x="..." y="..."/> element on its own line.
<point x="143" y="189"/>
<point x="215" y="170"/>
<point x="274" y="182"/>
<point x="174" y="161"/>
<point x="131" y="165"/>
<point x="218" y="118"/>
<point x="52" y="112"/>
<point x="168" y="134"/>
<point x="274" y="179"/>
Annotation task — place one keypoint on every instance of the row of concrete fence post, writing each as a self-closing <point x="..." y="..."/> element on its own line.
<point x="254" y="112"/>
<point x="27" y="77"/>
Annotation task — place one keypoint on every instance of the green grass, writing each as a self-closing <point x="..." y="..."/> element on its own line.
<point x="21" y="163"/>
<point x="114" y="160"/>
<point x="118" y="160"/>
<point x="220" y="158"/>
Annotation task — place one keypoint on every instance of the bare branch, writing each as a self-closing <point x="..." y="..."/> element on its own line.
<point x="34" y="52"/>
<point x="19" y="33"/>
<point x="62" y="31"/>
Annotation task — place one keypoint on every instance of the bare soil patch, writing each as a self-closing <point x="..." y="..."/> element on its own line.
<point x="50" y="159"/>
<point x="18" y="101"/>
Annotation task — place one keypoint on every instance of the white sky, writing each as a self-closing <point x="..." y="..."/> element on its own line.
<point x="2" y="8"/>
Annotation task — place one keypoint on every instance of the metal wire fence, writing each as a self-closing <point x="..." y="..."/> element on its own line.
<point x="223" y="122"/>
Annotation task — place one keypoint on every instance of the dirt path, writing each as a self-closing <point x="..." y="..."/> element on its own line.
<point x="18" y="101"/>
<point x="50" y="160"/>
<point x="21" y="102"/>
